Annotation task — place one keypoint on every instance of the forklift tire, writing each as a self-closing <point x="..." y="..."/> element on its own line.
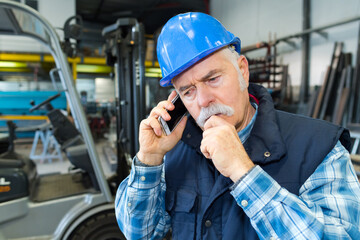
<point x="102" y="226"/>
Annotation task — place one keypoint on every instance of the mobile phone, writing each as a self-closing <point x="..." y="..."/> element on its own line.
<point x="176" y="115"/>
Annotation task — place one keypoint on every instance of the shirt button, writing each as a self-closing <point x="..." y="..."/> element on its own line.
<point x="129" y="204"/>
<point x="244" y="203"/>
<point x="188" y="135"/>
<point x="267" y="154"/>
<point x="142" y="178"/>
<point x="273" y="238"/>
<point x="207" y="223"/>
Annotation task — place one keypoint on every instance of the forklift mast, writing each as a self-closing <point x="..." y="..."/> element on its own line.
<point x="125" y="50"/>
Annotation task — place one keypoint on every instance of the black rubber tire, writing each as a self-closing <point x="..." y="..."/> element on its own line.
<point x="102" y="226"/>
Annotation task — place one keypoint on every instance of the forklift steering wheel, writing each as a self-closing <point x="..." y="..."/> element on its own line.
<point x="36" y="107"/>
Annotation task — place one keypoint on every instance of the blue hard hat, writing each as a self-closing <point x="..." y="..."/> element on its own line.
<point x="187" y="38"/>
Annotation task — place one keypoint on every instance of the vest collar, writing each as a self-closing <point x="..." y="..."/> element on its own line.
<point x="265" y="143"/>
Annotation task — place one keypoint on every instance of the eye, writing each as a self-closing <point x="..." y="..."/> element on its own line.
<point x="189" y="93"/>
<point x="214" y="80"/>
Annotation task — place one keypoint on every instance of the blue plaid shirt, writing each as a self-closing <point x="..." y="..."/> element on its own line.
<point x="328" y="205"/>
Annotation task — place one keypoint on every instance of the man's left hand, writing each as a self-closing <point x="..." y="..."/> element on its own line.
<point x="222" y="145"/>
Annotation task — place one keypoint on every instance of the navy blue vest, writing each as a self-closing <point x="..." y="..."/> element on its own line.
<point x="198" y="196"/>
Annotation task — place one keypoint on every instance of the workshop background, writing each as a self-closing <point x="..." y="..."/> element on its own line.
<point x="305" y="52"/>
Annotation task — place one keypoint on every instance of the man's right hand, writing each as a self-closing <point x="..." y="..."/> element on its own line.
<point x="154" y="144"/>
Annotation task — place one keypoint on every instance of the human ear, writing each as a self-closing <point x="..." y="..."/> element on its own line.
<point x="244" y="67"/>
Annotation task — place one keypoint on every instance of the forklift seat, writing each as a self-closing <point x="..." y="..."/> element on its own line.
<point x="79" y="157"/>
<point x="72" y="143"/>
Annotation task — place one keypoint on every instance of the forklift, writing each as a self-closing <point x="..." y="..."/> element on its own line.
<point x="80" y="203"/>
<point x="125" y="51"/>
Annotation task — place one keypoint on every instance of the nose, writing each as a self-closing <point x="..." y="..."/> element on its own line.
<point x="204" y="96"/>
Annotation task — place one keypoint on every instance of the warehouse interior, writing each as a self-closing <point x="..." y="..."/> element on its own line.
<point x="99" y="71"/>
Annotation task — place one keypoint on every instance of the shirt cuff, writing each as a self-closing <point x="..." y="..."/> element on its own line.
<point x="137" y="162"/>
<point x="144" y="177"/>
<point x="255" y="191"/>
<point x="238" y="181"/>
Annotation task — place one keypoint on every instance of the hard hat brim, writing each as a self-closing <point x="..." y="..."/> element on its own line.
<point x="166" y="81"/>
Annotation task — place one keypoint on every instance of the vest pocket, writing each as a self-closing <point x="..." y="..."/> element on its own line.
<point x="182" y="206"/>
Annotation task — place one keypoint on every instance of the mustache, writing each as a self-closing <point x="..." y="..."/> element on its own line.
<point x="213" y="109"/>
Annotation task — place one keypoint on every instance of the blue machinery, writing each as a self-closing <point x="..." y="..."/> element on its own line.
<point x="14" y="106"/>
<point x="18" y="103"/>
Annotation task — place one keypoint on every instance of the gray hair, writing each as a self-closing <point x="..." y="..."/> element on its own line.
<point x="233" y="56"/>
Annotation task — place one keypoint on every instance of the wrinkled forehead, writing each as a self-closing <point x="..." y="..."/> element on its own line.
<point x="212" y="63"/>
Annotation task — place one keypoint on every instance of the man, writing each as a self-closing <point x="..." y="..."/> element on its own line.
<point x="242" y="170"/>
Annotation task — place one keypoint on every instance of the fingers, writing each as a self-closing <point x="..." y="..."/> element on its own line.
<point x="203" y="149"/>
<point x="216" y="132"/>
<point x="214" y="121"/>
<point x="164" y="106"/>
<point x="161" y="110"/>
<point x="211" y="140"/>
<point x="172" y="95"/>
<point x="154" y="124"/>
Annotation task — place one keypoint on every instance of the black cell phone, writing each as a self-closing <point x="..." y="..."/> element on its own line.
<point x="176" y="115"/>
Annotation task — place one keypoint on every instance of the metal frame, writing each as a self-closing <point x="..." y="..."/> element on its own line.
<point x="61" y="215"/>
<point x="50" y="147"/>
<point x="355" y="147"/>
<point x="128" y="51"/>
<point x="304" y="90"/>
<point x="318" y="29"/>
<point x="68" y="84"/>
